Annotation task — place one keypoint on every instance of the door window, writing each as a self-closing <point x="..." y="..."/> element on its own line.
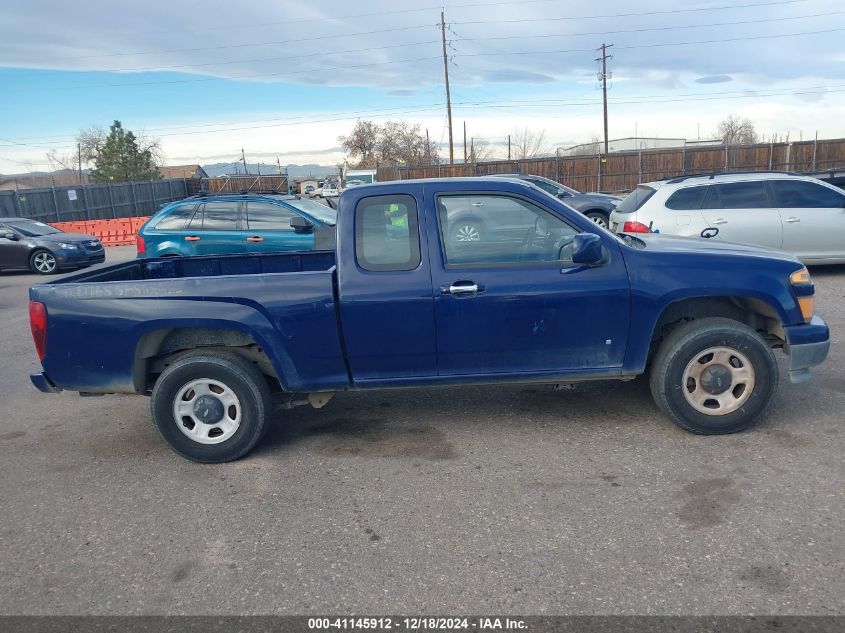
<point x="497" y="229"/>
<point x="800" y="194"/>
<point x="738" y="195"/>
<point x="215" y="216"/>
<point x="263" y="216"/>
<point x="387" y="233"/>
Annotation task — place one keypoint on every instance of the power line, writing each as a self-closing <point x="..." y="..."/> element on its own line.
<point x="629" y="15"/>
<point x="653" y="28"/>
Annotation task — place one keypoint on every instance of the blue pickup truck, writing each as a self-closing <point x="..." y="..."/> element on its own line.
<point x="545" y="295"/>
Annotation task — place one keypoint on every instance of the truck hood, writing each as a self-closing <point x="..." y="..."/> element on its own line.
<point x="671" y="243"/>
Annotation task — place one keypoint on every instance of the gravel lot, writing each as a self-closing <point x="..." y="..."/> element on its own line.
<point x="438" y="501"/>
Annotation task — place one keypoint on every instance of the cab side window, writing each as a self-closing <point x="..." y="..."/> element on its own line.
<point x="687" y="199"/>
<point x="387" y="233"/>
<point x="216" y="216"/>
<point x="499" y="229"/>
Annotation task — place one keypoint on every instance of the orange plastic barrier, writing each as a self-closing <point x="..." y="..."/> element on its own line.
<point x="116" y="232"/>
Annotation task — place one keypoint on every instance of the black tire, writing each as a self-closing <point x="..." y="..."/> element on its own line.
<point x="240" y="376"/>
<point x="599" y="217"/>
<point x="685" y="345"/>
<point x="39" y="255"/>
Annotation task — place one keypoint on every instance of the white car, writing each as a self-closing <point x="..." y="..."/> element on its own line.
<point x="330" y="190"/>
<point x="794" y="213"/>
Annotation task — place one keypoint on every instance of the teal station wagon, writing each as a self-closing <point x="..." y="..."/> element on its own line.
<point x="217" y="224"/>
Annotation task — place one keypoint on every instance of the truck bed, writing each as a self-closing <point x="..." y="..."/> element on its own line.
<point x="104" y="324"/>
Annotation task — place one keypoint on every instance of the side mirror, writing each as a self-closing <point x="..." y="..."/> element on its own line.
<point x="563" y="193"/>
<point x="8" y="235"/>
<point x="300" y="224"/>
<point x="587" y="249"/>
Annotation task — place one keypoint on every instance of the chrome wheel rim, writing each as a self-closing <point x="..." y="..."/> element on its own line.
<point x="599" y="219"/>
<point x="44" y="262"/>
<point x="718" y="381"/>
<point x="207" y="411"/>
<point x="467" y="233"/>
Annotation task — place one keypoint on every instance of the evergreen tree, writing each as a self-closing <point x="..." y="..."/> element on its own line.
<point x="121" y="159"/>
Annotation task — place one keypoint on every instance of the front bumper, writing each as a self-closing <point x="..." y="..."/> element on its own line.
<point x="807" y="345"/>
<point x="43" y="384"/>
<point x="69" y="259"/>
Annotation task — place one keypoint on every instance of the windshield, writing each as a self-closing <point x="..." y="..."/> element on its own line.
<point x="316" y="210"/>
<point x="636" y="199"/>
<point x="32" y="228"/>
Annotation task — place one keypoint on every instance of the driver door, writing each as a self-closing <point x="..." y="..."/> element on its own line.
<point x="513" y="302"/>
<point x="13" y="253"/>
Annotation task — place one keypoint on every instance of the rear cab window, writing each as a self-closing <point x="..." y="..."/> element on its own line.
<point x="636" y="199"/>
<point x="387" y="233"/>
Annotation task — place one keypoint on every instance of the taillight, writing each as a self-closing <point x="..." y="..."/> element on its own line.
<point x="142" y="246"/>
<point x="38" y="325"/>
<point x="635" y="227"/>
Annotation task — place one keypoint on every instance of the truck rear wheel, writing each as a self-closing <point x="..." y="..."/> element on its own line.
<point x="211" y="407"/>
<point x="714" y="376"/>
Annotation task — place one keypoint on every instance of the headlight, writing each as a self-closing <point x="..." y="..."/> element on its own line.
<point x="70" y="247"/>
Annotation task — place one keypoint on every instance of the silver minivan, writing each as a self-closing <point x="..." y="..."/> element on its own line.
<point x="798" y="214"/>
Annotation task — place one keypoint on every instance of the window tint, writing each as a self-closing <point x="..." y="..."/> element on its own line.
<point x="177" y="218"/>
<point x="796" y="194"/>
<point x="737" y="195"/>
<point x="387" y="233"/>
<point x="636" y="199"/>
<point x="263" y="216"/>
<point x="545" y="186"/>
<point x="497" y="229"/>
<point x="216" y="216"/>
<point x="686" y="199"/>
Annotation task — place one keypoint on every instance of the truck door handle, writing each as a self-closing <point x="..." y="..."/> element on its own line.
<point x="462" y="288"/>
<point x="792" y="220"/>
<point x="193" y="238"/>
<point x="720" y="221"/>
<point x="255" y="239"/>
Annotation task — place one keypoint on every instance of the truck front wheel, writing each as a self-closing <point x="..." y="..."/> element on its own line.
<point x="211" y="407"/>
<point x="714" y="376"/>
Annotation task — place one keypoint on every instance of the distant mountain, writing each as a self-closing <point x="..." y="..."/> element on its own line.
<point x="294" y="171"/>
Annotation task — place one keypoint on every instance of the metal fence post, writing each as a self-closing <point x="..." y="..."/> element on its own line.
<point x="56" y="205"/>
<point x="726" y="156"/>
<point x="134" y="199"/>
<point x="788" y="156"/>
<point x="598" y="172"/>
<point x="639" y="166"/>
<point x="155" y="198"/>
<point x="111" y="201"/>
<point x="815" y="147"/>
<point x="771" y="153"/>
<point x="85" y="202"/>
<point x="18" y="208"/>
<point x="170" y="189"/>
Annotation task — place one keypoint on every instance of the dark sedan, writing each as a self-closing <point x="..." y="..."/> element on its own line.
<point x="596" y="206"/>
<point x="44" y="249"/>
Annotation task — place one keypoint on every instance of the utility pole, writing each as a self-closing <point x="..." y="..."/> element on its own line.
<point x="465" y="141"/>
<point x="603" y="76"/>
<point x="448" y="95"/>
<point x="427" y="146"/>
<point x="243" y="158"/>
<point x="279" y="165"/>
<point x="509" y="146"/>
<point x="79" y="159"/>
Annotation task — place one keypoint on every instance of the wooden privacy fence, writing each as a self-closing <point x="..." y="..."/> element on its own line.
<point x="91" y="202"/>
<point x="234" y="184"/>
<point x="623" y="171"/>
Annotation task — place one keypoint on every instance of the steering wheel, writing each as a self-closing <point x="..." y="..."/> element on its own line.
<point x="540" y="229"/>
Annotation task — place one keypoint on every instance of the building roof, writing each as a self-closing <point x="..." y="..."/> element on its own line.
<point x="182" y="171"/>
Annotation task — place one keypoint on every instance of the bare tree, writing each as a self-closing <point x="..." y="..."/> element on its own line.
<point x="481" y="150"/>
<point x="360" y="144"/>
<point x="528" y="143"/>
<point x="588" y="149"/>
<point x="736" y="130"/>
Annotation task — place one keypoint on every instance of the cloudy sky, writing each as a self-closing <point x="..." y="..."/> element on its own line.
<point x="285" y="79"/>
